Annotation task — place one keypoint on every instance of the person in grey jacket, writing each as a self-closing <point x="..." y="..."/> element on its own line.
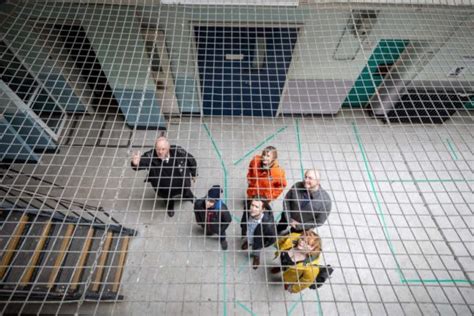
<point x="306" y="205"/>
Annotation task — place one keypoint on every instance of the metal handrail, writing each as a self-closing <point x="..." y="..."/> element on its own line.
<point x="66" y="203"/>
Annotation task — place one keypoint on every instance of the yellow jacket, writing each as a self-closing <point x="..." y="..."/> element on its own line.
<point x="301" y="275"/>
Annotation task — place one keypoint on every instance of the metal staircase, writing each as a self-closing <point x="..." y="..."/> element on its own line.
<point x="77" y="253"/>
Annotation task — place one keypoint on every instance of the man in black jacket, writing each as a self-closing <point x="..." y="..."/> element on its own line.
<point x="170" y="171"/>
<point x="306" y="205"/>
<point x="258" y="228"/>
<point x="212" y="214"/>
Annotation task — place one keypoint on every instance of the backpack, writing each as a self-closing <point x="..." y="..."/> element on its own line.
<point x="324" y="274"/>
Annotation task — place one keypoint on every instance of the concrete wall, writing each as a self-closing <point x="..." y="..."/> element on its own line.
<point x="114" y="32"/>
<point x="120" y="48"/>
<point x="21" y="37"/>
<point x="115" y="36"/>
<point x="313" y="63"/>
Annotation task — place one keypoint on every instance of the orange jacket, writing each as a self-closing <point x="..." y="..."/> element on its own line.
<point x="265" y="183"/>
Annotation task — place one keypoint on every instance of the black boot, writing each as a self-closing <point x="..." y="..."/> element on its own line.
<point x="170" y="208"/>
<point x="224" y="244"/>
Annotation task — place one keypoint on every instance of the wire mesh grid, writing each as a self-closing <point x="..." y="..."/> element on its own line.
<point x="376" y="97"/>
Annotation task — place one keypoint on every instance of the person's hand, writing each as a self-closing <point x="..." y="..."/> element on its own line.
<point x="294" y="223"/>
<point x="136" y="158"/>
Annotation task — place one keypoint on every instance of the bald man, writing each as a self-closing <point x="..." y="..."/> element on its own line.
<point x="306" y="205"/>
<point x="170" y="171"/>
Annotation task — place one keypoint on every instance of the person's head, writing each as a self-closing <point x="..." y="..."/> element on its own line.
<point x="258" y="206"/>
<point x="210" y="203"/>
<point x="162" y="147"/>
<point x="312" y="179"/>
<point x="269" y="155"/>
<point x="213" y="195"/>
<point x="309" y="243"/>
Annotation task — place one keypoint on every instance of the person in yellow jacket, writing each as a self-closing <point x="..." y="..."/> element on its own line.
<point x="299" y="256"/>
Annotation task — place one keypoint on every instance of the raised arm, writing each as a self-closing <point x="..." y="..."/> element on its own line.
<point x="279" y="182"/>
<point x="251" y="173"/>
<point x="141" y="162"/>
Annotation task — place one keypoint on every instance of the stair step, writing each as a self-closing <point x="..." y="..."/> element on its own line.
<point x="9" y="222"/>
<point x="24" y="253"/>
<point x="56" y="251"/>
<point x="114" y="266"/>
<point x="77" y="266"/>
<point x="108" y="287"/>
<point x="58" y="260"/>
<point x="35" y="261"/>
<point x="113" y="285"/>
<point x="11" y="246"/>
<point x="102" y="269"/>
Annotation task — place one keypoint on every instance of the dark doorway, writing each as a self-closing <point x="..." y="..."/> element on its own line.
<point x="243" y="69"/>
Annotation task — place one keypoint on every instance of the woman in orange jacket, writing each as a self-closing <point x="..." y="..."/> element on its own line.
<point x="265" y="177"/>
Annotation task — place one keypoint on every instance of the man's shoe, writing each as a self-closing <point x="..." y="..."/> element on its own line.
<point x="245" y="245"/>
<point x="256" y="262"/>
<point x="170" y="208"/>
<point x="224" y="244"/>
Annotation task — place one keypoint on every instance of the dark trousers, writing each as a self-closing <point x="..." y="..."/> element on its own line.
<point x="209" y="232"/>
<point x="172" y="195"/>
<point x="283" y="223"/>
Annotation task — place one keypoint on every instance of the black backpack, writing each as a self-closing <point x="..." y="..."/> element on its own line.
<point x="324" y="274"/>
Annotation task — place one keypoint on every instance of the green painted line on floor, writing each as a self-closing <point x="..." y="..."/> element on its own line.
<point x="260" y="145"/>
<point x="381" y="216"/>
<point x="219" y="155"/>
<point x="298" y="142"/>
<point x="241" y="268"/>
<point x="379" y="204"/>
<point x="436" y="281"/>
<point x="293" y="306"/>
<point x="451" y="148"/>
<point x="224" y="254"/>
<point x="243" y="265"/>
<point x="225" y="282"/>
<point x="245" y="308"/>
<point x="426" y="180"/>
<point x="320" y="308"/>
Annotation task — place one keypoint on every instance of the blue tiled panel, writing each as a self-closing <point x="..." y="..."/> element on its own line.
<point x="186" y="94"/>
<point x="141" y="109"/>
<point x="12" y="146"/>
<point x="30" y="131"/>
<point x="64" y="94"/>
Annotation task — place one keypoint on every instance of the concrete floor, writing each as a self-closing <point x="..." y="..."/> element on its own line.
<point x="400" y="234"/>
